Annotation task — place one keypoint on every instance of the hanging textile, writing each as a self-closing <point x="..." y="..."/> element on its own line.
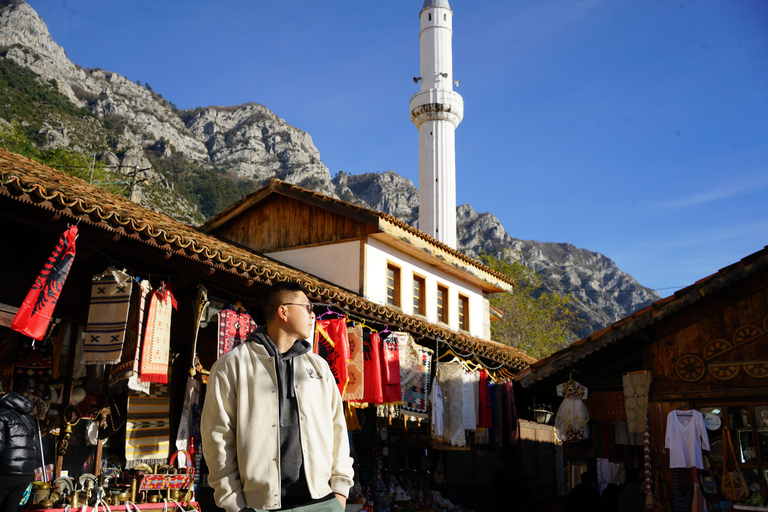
<point x="36" y="310"/>
<point x="147" y="426"/>
<point x="436" y="399"/>
<point x="682" y="491"/>
<point x="511" y="432"/>
<point x="686" y="436"/>
<point x="451" y="379"/>
<point x="107" y="317"/>
<point x="157" y="337"/>
<point x="572" y="415"/>
<point x="191" y="398"/>
<point x="636" y="387"/>
<point x="415" y="362"/>
<point x="372" y="391"/>
<point x="79" y="370"/>
<point x="332" y="344"/>
<point x="390" y="370"/>
<point x="485" y="415"/>
<point x="130" y="359"/>
<point x="234" y="326"/>
<point x="355" y="385"/>
<point x="471" y="383"/>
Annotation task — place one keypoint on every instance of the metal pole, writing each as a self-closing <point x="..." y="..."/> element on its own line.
<point x="42" y="455"/>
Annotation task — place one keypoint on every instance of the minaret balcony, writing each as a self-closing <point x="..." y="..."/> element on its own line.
<point x="437" y="105"/>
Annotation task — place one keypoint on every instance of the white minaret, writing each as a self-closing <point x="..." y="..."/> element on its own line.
<point x="437" y="110"/>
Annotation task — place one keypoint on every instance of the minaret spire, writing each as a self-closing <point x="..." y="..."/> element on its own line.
<point x="437" y="110"/>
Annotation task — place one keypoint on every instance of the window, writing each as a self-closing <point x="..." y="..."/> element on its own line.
<point x="442" y="304"/>
<point x="463" y="312"/>
<point x="419" y="292"/>
<point x="393" y="285"/>
<point x="430" y="17"/>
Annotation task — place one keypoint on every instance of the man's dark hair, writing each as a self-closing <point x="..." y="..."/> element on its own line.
<point x="275" y="296"/>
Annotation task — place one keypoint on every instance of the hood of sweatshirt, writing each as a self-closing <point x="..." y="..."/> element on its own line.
<point x="283" y="362"/>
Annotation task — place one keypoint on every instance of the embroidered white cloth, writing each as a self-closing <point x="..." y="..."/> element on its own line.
<point x="572" y="415"/>
<point x="436" y="399"/>
<point x="686" y="437"/>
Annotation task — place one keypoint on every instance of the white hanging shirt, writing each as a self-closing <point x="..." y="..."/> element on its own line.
<point x="436" y="397"/>
<point x="686" y="436"/>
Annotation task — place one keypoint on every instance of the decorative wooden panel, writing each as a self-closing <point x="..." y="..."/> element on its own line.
<point x="283" y="223"/>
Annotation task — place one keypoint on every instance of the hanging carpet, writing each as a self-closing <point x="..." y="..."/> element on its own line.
<point x="147" y="426"/>
<point x="107" y="317"/>
<point x="157" y="337"/>
<point x="415" y="362"/>
<point x="130" y="359"/>
<point x="234" y="327"/>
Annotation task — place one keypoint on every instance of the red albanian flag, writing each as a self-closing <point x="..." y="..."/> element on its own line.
<point x="36" y="311"/>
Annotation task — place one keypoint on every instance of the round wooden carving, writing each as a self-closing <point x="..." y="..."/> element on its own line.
<point x="758" y="370"/>
<point x="724" y="371"/>
<point x="690" y="368"/>
<point x="745" y="332"/>
<point x="715" y="347"/>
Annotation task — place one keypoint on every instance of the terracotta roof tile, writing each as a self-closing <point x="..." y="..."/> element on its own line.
<point x="25" y="180"/>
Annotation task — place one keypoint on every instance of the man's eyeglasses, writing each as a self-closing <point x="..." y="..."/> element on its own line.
<point x="308" y="307"/>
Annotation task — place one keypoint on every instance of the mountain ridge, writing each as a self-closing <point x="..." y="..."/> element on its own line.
<point x="196" y="162"/>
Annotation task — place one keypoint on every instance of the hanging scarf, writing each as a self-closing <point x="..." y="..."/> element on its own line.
<point x="107" y="317"/>
<point x="191" y="398"/>
<point x="234" y="327"/>
<point x="355" y="383"/>
<point x="390" y="371"/>
<point x="415" y="362"/>
<point x="130" y="359"/>
<point x="485" y="418"/>
<point x="332" y="344"/>
<point x="451" y="380"/>
<point x="372" y="392"/>
<point x="157" y="337"/>
<point x="36" y="311"/>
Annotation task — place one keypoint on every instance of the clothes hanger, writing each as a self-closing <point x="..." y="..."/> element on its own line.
<point x="329" y="311"/>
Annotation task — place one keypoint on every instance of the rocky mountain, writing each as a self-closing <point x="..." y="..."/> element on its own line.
<point x="194" y="163"/>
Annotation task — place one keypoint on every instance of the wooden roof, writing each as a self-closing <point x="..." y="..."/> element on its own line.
<point x="632" y="326"/>
<point x="39" y="186"/>
<point x="380" y="225"/>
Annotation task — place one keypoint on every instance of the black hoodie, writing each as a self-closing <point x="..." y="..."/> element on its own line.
<point x="293" y="481"/>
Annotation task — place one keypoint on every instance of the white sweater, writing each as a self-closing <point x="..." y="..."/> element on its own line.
<point x="241" y="434"/>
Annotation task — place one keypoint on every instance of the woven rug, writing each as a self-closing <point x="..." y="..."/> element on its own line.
<point x="157" y="337"/>
<point x="233" y="329"/>
<point x="332" y="344"/>
<point x="130" y="360"/>
<point x="107" y="317"/>
<point x="147" y="426"/>
<point x="355" y="384"/>
<point x="415" y="364"/>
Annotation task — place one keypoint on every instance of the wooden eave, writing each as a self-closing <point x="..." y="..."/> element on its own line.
<point x="391" y="231"/>
<point x="633" y="327"/>
<point x="47" y="196"/>
<point x="394" y="235"/>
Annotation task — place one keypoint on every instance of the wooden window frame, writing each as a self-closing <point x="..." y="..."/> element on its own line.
<point x="442" y="310"/>
<point x="420" y="296"/>
<point x="396" y="290"/>
<point x="463" y="312"/>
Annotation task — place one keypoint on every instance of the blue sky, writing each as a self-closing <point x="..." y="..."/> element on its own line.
<point x="638" y="129"/>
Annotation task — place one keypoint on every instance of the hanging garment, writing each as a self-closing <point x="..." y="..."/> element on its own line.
<point x="36" y="310"/>
<point x="451" y="379"/>
<point x="485" y="414"/>
<point x="469" y="411"/>
<point x="130" y="360"/>
<point x="332" y="344"/>
<point x="682" y="493"/>
<point x="191" y="398"/>
<point x="572" y="415"/>
<point x="107" y="317"/>
<point x="356" y="384"/>
<point x="436" y="399"/>
<point x="511" y="432"/>
<point x="157" y="337"/>
<point x="415" y="364"/>
<point x="390" y="370"/>
<point x="372" y="392"/>
<point x="147" y="426"/>
<point x="686" y="436"/>
<point x="234" y="327"/>
<point x="636" y="387"/>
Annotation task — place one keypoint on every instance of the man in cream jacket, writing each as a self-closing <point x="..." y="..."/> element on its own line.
<point x="273" y="428"/>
